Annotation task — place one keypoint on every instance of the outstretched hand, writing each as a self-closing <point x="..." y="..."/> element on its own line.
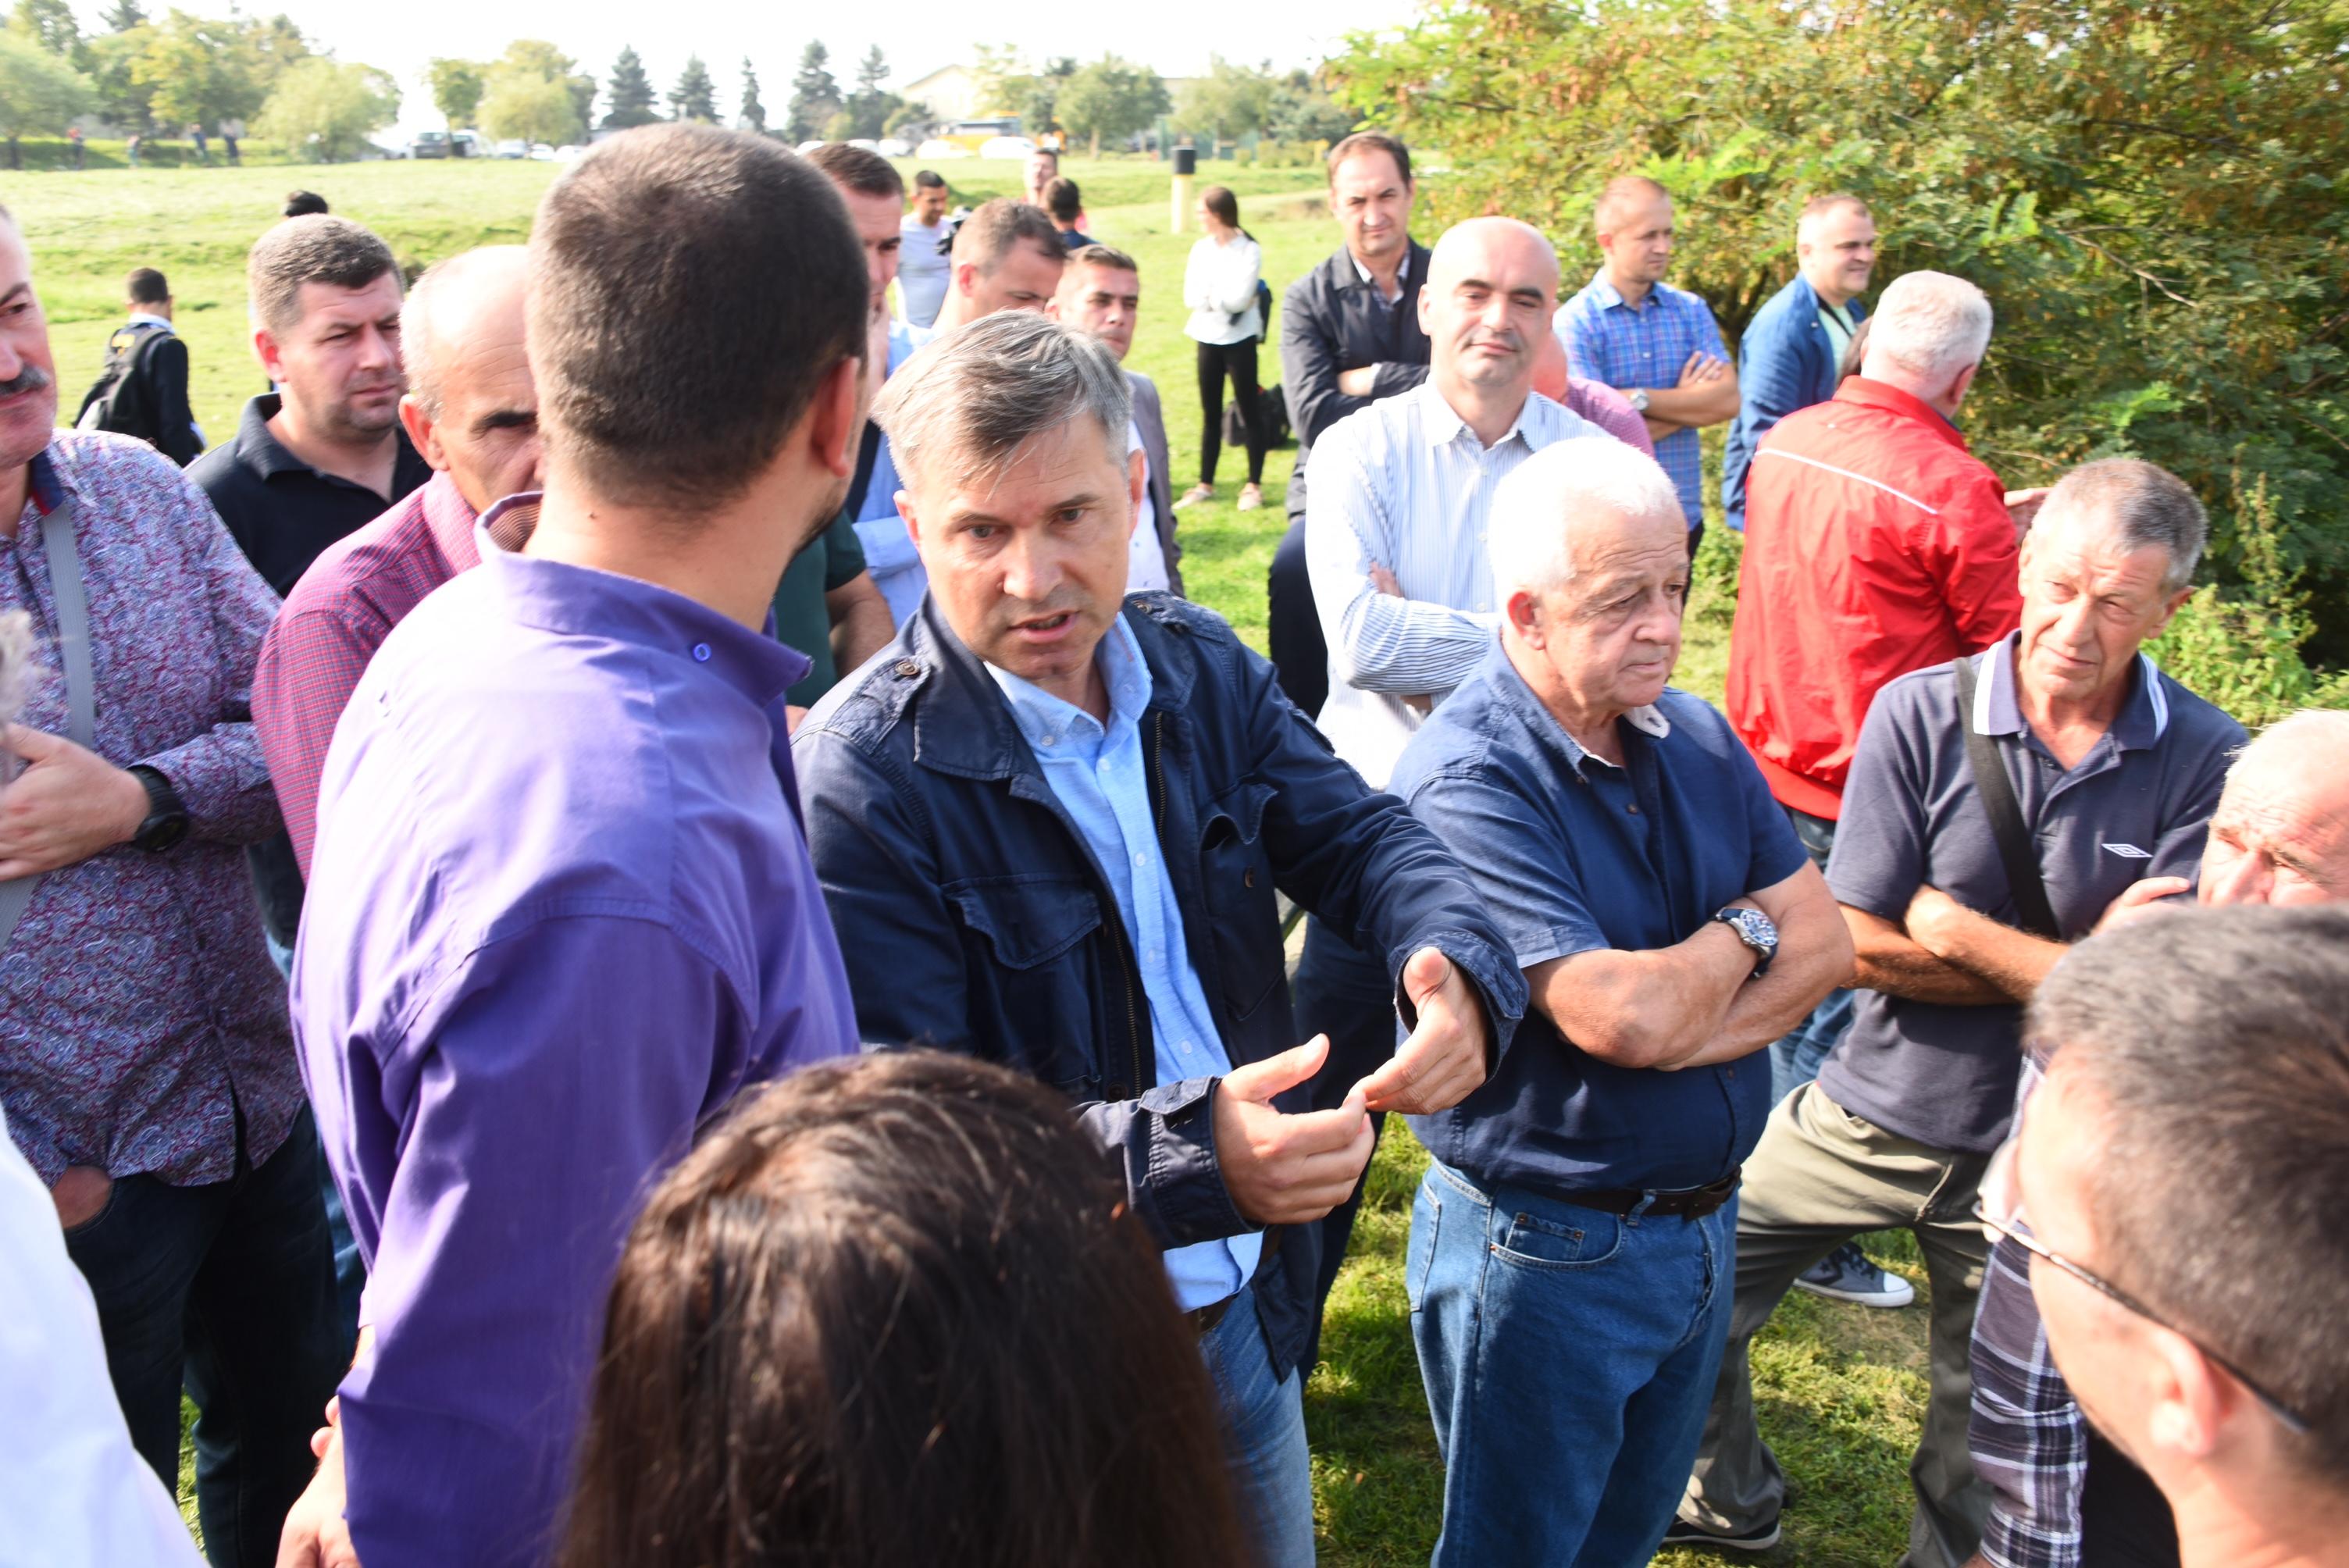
<point x="1446" y="1057"/>
<point x="1283" y="1170"/>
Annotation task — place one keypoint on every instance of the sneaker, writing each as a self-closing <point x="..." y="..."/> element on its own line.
<point x="1251" y="498"/>
<point x="1760" y="1539"/>
<point x="1847" y="1275"/>
<point x="1195" y="494"/>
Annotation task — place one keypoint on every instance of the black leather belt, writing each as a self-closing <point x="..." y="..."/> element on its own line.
<point x="1689" y="1203"/>
<point x="1203" y="1319"/>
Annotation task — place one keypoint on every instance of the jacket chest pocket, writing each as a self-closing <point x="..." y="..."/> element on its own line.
<point x="1236" y="882"/>
<point x="1033" y="976"/>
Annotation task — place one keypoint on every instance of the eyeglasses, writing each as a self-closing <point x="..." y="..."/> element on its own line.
<point x="1999" y="1206"/>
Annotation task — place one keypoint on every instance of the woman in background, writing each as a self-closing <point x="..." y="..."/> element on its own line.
<point x="1219" y="286"/>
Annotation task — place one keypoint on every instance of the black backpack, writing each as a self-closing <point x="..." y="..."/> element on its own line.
<point x="117" y="402"/>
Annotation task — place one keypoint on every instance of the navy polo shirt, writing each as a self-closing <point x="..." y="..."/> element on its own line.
<point x="1574" y="855"/>
<point x="2138" y="805"/>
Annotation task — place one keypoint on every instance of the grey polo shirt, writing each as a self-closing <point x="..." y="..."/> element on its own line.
<point x="2136" y="806"/>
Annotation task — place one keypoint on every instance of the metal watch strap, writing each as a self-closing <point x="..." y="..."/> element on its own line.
<point x="73" y="653"/>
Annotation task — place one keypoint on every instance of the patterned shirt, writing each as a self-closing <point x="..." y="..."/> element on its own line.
<point x="1405" y="484"/>
<point x="337" y="615"/>
<point x="141" y="1022"/>
<point x="1644" y="345"/>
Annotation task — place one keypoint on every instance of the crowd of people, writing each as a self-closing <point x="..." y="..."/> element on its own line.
<point x="639" y="926"/>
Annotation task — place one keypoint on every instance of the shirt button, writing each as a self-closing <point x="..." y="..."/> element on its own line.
<point x="1632" y="807"/>
<point x="907" y="669"/>
<point x="702" y="653"/>
<point x="1052" y="740"/>
<point x="1141" y="859"/>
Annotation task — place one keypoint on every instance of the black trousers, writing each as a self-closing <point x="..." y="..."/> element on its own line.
<point x="1300" y="655"/>
<point x="1237" y="360"/>
<point x="1342" y="992"/>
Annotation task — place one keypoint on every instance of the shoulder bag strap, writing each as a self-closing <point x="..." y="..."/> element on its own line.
<point x="73" y="653"/>
<point x="1996" y="791"/>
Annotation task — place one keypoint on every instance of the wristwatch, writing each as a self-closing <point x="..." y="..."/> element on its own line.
<point x="1755" y="930"/>
<point x="166" y="815"/>
<point x="1638" y="397"/>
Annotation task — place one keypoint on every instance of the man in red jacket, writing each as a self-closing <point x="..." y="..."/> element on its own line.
<point x="1874" y="544"/>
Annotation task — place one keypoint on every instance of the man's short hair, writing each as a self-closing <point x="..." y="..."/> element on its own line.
<point x="302" y="204"/>
<point x="416" y="320"/>
<point x="1101" y="255"/>
<point x="929" y="179"/>
<point x="1931" y="325"/>
<point x="988" y="234"/>
<point x="1529" y="537"/>
<point x="1051" y="152"/>
<point x="1821" y="205"/>
<point x="860" y="169"/>
<point x="691" y="288"/>
<point x="315" y="248"/>
<point x="146" y="287"/>
<point x="974" y="397"/>
<point x="1622" y="196"/>
<point x="1062" y="200"/>
<point x="2217" y="1041"/>
<point x="1363" y="142"/>
<point x="2150" y="505"/>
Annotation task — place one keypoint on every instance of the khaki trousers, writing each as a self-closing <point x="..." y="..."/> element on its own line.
<point x="1819" y="1177"/>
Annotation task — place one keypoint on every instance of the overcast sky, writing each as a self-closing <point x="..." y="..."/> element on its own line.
<point x="920" y="35"/>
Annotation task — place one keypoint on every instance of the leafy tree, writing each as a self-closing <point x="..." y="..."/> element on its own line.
<point x="51" y="25"/>
<point x="815" y="96"/>
<point x="327" y="108"/>
<point x="1229" y="101"/>
<point x="525" y="108"/>
<point x="910" y="121"/>
<point x="201" y="70"/>
<point x="753" y="116"/>
<point x="123" y="16"/>
<point x="457" y="87"/>
<point x="2152" y="193"/>
<point x="38" y="92"/>
<point x="1111" y="98"/>
<point x="630" y="95"/>
<point x="122" y="99"/>
<point x="1010" y="86"/>
<point x="871" y="104"/>
<point x="694" y="96"/>
<point x="1302" y="112"/>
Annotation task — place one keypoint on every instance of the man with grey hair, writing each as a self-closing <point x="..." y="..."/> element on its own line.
<point x="1050" y="821"/>
<point x="1874" y="544"/>
<point x="1669" y="926"/>
<point x="1998" y="804"/>
<point x="2279" y="836"/>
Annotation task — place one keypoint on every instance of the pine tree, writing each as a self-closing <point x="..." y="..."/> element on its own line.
<point x="631" y="94"/>
<point x="695" y="97"/>
<point x="123" y="16"/>
<point x="815" y="97"/>
<point x="873" y="72"/>
<point x="754" y="113"/>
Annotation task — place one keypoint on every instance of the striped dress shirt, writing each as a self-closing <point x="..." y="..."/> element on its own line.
<point x="1405" y="484"/>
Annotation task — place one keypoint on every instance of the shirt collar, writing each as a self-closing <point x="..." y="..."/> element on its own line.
<point x="1603" y="290"/>
<point x="559" y="598"/>
<point x="143" y="318"/>
<point x="1043" y="719"/>
<point x="1402" y="274"/>
<point x="1880" y="395"/>
<point x="268" y="457"/>
<point x="1649" y="720"/>
<point x="2142" y="721"/>
<point x="1445" y="424"/>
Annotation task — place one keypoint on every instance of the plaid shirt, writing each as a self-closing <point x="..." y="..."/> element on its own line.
<point x="1610" y="341"/>
<point x="2028" y="1439"/>
<point x="142" y="1025"/>
<point x="358" y="589"/>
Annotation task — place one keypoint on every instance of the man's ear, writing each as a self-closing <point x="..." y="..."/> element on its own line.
<point x="1522" y="613"/>
<point x="1964" y="383"/>
<point x="1137" y="485"/>
<point x="2189" y="1397"/>
<point x="264" y="349"/>
<point x="966" y="278"/>
<point x="835" y="420"/>
<point x="423" y="432"/>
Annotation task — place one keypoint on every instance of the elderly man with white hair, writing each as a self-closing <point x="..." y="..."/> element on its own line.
<point x="2059" y="1492"/>
<point x="1572" y="1242"/>
<point x="1998" y="804"/>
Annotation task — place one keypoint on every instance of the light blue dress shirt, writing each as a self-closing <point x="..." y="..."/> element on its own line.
<point x="889" y="553"/>
<point x="1098" y="775"/>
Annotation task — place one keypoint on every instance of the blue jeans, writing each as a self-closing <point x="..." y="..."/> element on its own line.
<point x="1569" y="1355"/>
<point x="1263" y="1435"/>
<point x="1341" y="991"/>
<point x="228" y="1287"/>
<point x="350" y="1269"/>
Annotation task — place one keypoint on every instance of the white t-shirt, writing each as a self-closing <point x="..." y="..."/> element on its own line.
<point x="1145" y="558"/>
<point x="923" y="270"/>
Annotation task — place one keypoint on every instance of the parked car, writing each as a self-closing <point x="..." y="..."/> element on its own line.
<point x="1005" y="147"/>
<point x="468" y="144"/>
<point x="894" y="147"/>
<point x="430" y="144"/>
<point x="807" y="147"/>
<point x="512" y="147"/>
<point x="939" y="147"/>
<point x="569" y="152"/>
<point x="540" y="152"/>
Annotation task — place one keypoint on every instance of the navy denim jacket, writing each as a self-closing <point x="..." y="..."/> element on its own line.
<point x="973" y="918"/>
<point x="1785" y="363"/>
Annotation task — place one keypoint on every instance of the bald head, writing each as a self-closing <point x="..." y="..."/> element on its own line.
<point x="1491" y="285"/>
<point x="2280" y="835"/>
<point x="472" y="406"/>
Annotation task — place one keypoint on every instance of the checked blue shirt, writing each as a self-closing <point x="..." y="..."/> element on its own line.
<point x="1610" y="341"/>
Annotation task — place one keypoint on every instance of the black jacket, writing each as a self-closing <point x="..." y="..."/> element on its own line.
<point x="155" y="393"/>
<point x="1332" y="321"/>
<point x="973" y="918"/>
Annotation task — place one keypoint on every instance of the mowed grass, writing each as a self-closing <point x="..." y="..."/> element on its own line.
<point x="1840" y="1389"/>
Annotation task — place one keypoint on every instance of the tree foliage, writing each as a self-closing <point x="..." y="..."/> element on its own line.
<point x="457" y="87"/>
<point x="1009" y="85"/>
<point x="815" y="96"/>
<point x="50" y="24"/>
<point x="870" y="107"/>
<point x="695" y="97"/>
<point x="630" y="94"/>
<point x="535" y="92"/>
<point x="753" y="115"/>
<point x="2155" y="193"/>
<point x="124" y="14"/>
<point x="1230" y="100"/>
<point x="328" y="108"/>
<point x="201" y="70"/>
<point x="1110" y="99"/>
<point x="38" y="92"/>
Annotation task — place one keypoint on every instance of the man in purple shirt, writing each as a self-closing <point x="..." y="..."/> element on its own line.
<point x="561" y="910"/>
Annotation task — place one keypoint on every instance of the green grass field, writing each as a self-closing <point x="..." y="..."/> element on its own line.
<point x="1840" y="1389"/>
